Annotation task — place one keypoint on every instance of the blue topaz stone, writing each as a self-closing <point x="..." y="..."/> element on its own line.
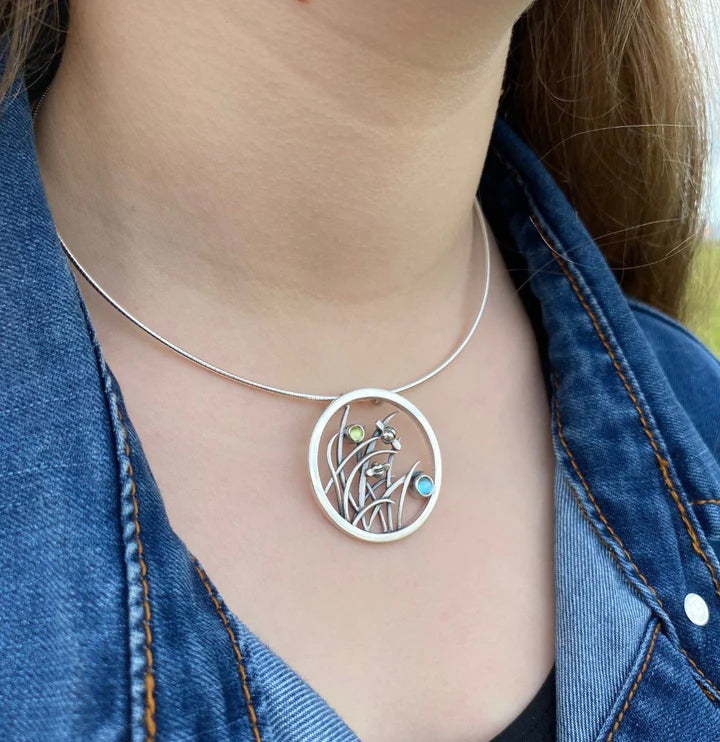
<point x="423" y="484"/>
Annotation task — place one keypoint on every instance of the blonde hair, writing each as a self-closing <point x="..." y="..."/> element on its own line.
<point x="608" y="93"/>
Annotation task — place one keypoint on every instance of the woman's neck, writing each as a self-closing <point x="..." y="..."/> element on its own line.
<point x="275" y="159"/>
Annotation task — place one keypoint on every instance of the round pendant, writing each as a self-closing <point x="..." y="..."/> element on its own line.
<point x="375" y="465"/>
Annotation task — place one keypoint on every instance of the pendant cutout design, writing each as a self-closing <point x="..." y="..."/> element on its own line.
<point x="375" y="465"/>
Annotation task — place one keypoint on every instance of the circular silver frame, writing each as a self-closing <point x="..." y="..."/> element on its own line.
<point x="319" y="488"/>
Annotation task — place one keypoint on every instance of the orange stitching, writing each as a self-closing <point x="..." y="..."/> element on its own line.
<point x="585" y="515"/>
<point x="659" y="458"/>
<point x="635" y="684"/>
<point x="705" y="502"/>
<point x="602" y="540"/>
<point x="150" y="726"/>
<point x="586" y="486"/>
<point x="612" y="553"/>
<point x="707" y="693"/>
<point x="662" y="463"/>
<point x="702" y="675"/>
<point x="236" y="650"/>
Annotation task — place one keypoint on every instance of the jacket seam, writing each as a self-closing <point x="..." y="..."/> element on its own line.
<point x="635" y="685"/>
<point x="150" y="725"/>
<point x="596" y="506"/>
<point x="142" y="678"/>
<point x="706" y="692"/>
<point x="601" y="538"/>
<point x="706" y="680"/>
<point x="235" y="647"/>
<point x="715" y="696"/>
<point x="663" y="463"/>
<point x="589" y="520"/>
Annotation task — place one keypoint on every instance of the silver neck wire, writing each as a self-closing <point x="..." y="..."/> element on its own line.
<point x="257" y="384"/>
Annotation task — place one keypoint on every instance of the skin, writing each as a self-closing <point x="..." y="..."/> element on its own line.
<point x="286" y="189"/>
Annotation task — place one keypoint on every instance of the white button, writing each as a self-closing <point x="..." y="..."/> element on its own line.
<point x="696" y="609"/>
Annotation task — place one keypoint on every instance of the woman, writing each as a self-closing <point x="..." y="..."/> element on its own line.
<point x="285" y="191"/>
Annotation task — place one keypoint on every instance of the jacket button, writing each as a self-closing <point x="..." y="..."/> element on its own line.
<point x="696" y="609"/>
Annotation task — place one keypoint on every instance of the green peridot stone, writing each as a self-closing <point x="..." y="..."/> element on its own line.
<point x="355" y="433"/>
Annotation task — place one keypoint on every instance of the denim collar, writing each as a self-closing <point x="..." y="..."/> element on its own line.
<point x="632" y="456"/>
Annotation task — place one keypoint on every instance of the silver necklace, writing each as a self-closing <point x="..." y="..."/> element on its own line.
<point x="360" y="470"/>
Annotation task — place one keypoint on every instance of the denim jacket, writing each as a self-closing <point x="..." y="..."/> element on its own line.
<point x="111" y="630"/>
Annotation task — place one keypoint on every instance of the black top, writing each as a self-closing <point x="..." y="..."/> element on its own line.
<point x="536" y="723"/>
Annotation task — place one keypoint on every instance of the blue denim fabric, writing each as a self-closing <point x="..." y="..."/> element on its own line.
<point x="111" y="630"/>
<point x="629" y="451"/>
